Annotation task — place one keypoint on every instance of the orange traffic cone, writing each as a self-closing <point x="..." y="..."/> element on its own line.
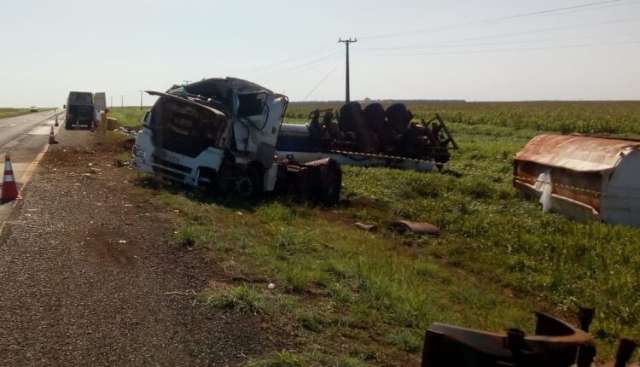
<point x="52" y="137"/>
<point x="9" y="187"/>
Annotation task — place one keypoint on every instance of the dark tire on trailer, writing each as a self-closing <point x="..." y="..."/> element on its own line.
<point x="399" y="117"/>
<point x="375" y="116"/>
<point x="349" y="113"/>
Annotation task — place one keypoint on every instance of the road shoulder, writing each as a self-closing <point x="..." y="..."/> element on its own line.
<point x="90" y="274"/>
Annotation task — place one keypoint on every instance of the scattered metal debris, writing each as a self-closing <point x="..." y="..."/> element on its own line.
<point x="555" y="344"/>
<point x="415" y="227"/>
<point x="120" y="163"/>
<point x="582" y="177"/>
<point x="366" y="227"/>
<point x="127" y="131"/>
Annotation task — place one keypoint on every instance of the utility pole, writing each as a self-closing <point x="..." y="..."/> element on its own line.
<point x="348" y="42"/>
<point x="111" y="101"/>
<point x="122" y="101"/>
<point x="141" y="92"/>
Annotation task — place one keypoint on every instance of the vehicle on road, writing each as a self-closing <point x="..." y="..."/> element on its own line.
<point x="221" y="134"/>
<point x="80" y="111"/>
<point x="100" y="101"/>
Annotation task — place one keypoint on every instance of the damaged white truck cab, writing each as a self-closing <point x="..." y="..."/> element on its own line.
<point x="222" y="134"/>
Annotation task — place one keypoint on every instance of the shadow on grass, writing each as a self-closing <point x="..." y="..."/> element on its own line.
<point x="452" y="173"/>
<point x="230" y="201"/>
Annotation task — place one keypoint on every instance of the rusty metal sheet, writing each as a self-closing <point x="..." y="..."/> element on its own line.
<point x="577" y="152"/>
<point x="415" y="227"/>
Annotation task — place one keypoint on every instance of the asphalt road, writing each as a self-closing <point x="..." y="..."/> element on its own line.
<point x="14" y="129"/>
<point x="25" y="138"/>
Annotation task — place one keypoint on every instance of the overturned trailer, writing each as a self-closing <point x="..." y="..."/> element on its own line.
<point x="582" y="177"/>
<point x="369" y="136"/>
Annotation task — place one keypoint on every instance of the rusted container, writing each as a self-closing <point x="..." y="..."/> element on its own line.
<point x="582" y="176"/>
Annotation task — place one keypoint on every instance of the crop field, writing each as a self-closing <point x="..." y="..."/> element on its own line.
<point x="348" y="297"/>
<point x="582" y="117"/>
<point x="11" y="112"/>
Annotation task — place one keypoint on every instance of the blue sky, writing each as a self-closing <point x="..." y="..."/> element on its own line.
<point x="473" y="50"/>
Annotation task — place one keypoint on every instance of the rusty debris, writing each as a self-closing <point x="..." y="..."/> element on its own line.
<point x="554" y="344"/>
<point x="422" y="228"/>
<point x="582" y="177"/>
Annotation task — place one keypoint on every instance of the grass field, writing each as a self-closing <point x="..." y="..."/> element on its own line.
<point x="128" y="116"/>
<point x="348" y="297"/>
<point x="11" y="112"/>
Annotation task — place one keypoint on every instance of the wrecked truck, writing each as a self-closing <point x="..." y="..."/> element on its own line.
<point x="370" y="136"/>
<point x="221" y="134"/>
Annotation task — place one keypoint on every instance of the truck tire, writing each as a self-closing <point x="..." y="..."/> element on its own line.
<point x="252" y="184"/>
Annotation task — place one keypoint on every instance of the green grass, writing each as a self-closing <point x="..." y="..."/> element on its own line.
<point x="357" y="298"/>
<point x="376" y="290"/>
<point x="11" y="112"/>
<point x="128" y="116"/>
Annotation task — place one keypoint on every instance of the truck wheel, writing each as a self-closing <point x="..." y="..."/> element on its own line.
<point x="252" y="184"/>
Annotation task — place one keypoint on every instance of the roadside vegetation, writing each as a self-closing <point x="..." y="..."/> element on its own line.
<point x="128" y="116"/>
<point x="348" y="297"/>
<point x="11" y="112"/>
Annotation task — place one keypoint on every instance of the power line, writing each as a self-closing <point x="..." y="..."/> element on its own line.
<point x="501" y="35"/>
<point x="498" y="50"/>
<point x="484" y="44"/>
<point x="306" y="64"/>
<point x="289" y="59"/>
<point x="566" y="9"/>
<point x="324" y="78"/>
<point x="558" y="10"/>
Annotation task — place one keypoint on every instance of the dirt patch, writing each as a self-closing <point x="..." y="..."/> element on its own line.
<point x="90" y="275"/>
